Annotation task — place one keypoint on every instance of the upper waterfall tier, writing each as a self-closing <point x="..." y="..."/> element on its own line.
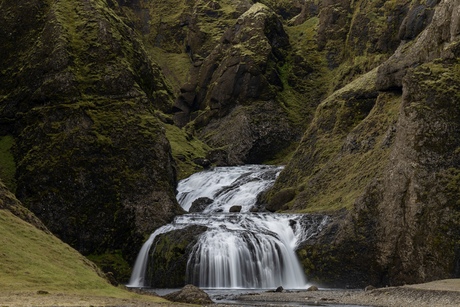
<point x="227" y="187"/>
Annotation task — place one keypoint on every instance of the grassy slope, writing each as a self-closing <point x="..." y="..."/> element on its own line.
<point x="31" y="260"/>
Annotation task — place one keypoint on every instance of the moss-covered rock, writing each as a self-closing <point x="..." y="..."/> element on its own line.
<point x="169" y="255"/>
<point x="80" y="97"/>
<point x="389" y="159"/>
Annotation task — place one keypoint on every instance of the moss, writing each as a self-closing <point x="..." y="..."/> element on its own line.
<point x="7" y="163"/>
<point x="169" y="257"/>
<point x="113" y="262"/>
<point x="303" y="74"/>
<point x="337" y="157"/>
<point x="175" y="66"/>
<point x="185" y="148"/>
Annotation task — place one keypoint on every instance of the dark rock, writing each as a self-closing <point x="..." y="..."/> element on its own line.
<point x="98" y="171"/>
<point x="9" y="202"/>
<point x="369" y="288"/>
<point x="312" y="288"/>
<point x="205" y="163"/>
<point x="238" y="73"/>
<point x="279" y="289"/>
<point x="169" y="256"/>
<point x="280" y="199"/>
<point x="218" y="157"/>
<point x="190" y="294"/>
<point x="441" y="31"/>
<point x="200" y="204"/>
<point x="235" y="209"/>
<point x="111" y="278"/>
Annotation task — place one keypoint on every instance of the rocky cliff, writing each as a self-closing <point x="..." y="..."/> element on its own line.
<point x="381" y="153"/>
<point x="105" y="103"/>
<point x="79" y="95"/>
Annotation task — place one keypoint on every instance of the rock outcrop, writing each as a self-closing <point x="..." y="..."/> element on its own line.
<point x="79" y="95"/>
<point x="399" y="217"/>
<point x="169" y="257"/>
<point x="232" y="97"/>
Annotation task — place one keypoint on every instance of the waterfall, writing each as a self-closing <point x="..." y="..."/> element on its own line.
<point x="238" y="250"/>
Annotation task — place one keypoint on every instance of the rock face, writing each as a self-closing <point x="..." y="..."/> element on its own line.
<point x="231" y="97"/>
<point x="399" y="217"/>
<point x="200" y="204"/>
<point x="79" y="94"/>
<point x="9" y="202"/>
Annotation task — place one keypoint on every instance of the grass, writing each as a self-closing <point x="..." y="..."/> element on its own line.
<point x="174" y="66"/>
<point x="32" y="260"/>
<point x="7" y="164"/>
<point x="185" y="148"/>
<point x="344" y="177"/>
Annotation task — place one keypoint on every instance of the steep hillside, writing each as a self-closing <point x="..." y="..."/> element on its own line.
<point x="33" y="260"/>
<point x="381" y="155"/>
<point x="79" y="95"/>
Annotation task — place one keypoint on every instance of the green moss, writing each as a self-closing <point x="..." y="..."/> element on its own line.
<point x="175" y="66"/>
<point x="185" y="148"/>
<point x="303" y="74"/>
<point x="113" y="262"/>
<point x="7" y="163"/>
<point x="343" y="149"/>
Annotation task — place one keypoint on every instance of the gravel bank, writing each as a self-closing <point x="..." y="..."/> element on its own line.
<point x="444" y="293"/>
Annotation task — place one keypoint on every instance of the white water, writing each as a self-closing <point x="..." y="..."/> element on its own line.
<point x="227" y="186"/>
<point x="239" y="250"/>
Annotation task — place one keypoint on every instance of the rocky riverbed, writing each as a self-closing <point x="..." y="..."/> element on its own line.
<point x="445" y="293"/>
<point x="440" y="293"/>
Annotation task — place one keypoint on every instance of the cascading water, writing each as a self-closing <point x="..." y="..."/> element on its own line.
<point x="238" y="250"/>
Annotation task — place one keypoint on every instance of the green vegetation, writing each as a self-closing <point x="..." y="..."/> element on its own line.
<point x="7" y="164"/>
<point x="343" y="150"/>
<point x="174" y="66"/>
<point x="113" y="262"/>
<point x="304" y="74"/>
<point x="32" y="260"/>
<point x="185" y="148"/>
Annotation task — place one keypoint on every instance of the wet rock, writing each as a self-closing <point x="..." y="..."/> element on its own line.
<point x="200" y="204"/>
<point x="279" y="289"/>
<point x="168" y="259"/>
<point x="205" y="163"/>
<point x="312" y="288"/>
<point x="235" y="209"/>
<point x="189" y="294"/>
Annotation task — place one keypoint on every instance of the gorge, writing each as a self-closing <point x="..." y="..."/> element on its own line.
<point x="105" y="105"/>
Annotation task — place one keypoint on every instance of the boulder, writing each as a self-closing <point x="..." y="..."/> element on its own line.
<point x="200" y="204"/>
<point x="168" y="258"/>
<point x="235" y="209"/>
<point x="190" y="294"/>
